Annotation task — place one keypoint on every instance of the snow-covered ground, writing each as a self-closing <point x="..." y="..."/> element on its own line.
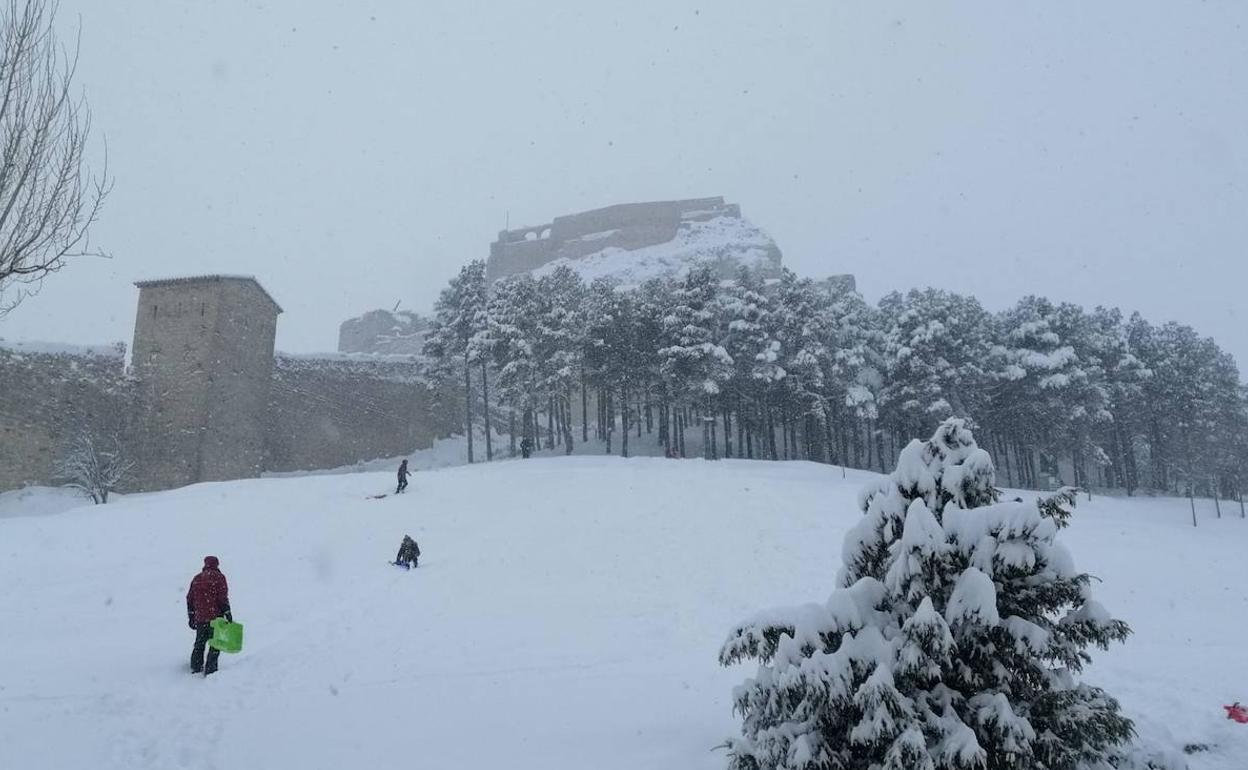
<point x="567" y="613"/>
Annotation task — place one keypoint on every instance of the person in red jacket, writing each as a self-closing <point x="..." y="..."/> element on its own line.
<point x="207" y="600"/>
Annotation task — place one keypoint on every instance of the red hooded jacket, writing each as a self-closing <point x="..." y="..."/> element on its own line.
<point x="209" y="594"/>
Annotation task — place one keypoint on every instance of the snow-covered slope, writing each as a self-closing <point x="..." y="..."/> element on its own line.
<point x="725" y="242"/>
<point x="567" y="613"/>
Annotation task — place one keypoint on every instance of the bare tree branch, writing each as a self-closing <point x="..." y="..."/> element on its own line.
<point x="95" y="468"/>
<point x="49" y="198"/>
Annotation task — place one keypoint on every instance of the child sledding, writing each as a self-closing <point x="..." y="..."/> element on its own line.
<point x="409" y="553"/>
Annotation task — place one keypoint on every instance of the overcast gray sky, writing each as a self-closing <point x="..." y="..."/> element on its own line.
<point x="354" y="154"/>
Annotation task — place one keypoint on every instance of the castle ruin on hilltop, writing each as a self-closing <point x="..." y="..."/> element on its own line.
<point x="627" y="226"/>
<point x="628" y="243"/>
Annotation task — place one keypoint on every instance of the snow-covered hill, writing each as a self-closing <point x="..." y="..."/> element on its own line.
<point x="567" y="613"/>
<point x="725" y="242"/>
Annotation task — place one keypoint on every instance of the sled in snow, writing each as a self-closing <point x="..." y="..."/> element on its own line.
<point x="226" y="636"/>
<point x="396" y="564"/>
<point x="1237" y="712"/>
<point x="376" y="497"/>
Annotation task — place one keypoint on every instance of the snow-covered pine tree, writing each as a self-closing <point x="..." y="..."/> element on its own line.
<point x="558" y="346"/>
<point x="514" y="310"/>
<point x="459" y="315"/>
<point x="935" y="348"/>
<point x="954" y="641"/>
<point x="744" y="310"/>
<point x="692" y="359"/>
<point x="799" y="322"/>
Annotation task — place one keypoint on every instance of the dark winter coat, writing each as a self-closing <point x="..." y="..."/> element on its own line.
<point x="403" y="472"/>
<point x="209" y="595"/>
<point x="409" y="551"/>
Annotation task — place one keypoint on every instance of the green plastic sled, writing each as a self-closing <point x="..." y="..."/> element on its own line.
<point x="226" y="636"/>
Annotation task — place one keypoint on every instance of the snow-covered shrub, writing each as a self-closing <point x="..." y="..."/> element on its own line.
<point x="954" y="640"/>
<point x="94" y="467"/>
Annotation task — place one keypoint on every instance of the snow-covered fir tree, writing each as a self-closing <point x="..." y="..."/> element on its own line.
<point x="954" y="641"/>
<point x="460" y="315"/>
<point x="692" y="360"/>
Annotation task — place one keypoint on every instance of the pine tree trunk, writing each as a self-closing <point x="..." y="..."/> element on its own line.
<point x="727" y="434"/>
<point x="485" y="407"/>
<point x="649" y="416"/>
<point x="528" y="428"/>
<point x="550" y="422"/>
<point x="1213" y="483"/>
<point x="1240" y="495"/>
<point x="1158" y="459"/>
<point x="624" y="426"/>
<point x="866" y="437"/>
<point x="879" y="449"/>
<point x="601" y="427"/>
<point x="680" y="431"/>
<point x="468" y="405"/>
<point x="784" y="430"/>
<point x="584" y="411"/>
<point x="1132" y="470"/>
<point x="511" y="431"/>
<point x="771" y="434"/>
<point x="740" y="429"/>
<point x="608" y="418"/>
<point x="828" y="437"/>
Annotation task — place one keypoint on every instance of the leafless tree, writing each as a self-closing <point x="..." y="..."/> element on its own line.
<point x="96" y="468"/>
<point x="48" y="196"/>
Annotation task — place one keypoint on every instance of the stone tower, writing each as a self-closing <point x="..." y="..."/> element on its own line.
<point x="203" y="357"/>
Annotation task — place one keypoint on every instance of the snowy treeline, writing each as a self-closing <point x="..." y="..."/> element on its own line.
<point x="792" y="369"/>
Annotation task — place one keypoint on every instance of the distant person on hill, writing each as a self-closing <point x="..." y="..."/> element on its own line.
<point x="526" y="447"/>
<point x="403" y="474"/>
<point x="207" y="600"/>
<point x="409" y="553"/>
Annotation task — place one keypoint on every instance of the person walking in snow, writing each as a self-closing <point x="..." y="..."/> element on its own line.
<point x="403" y="474"/>
<point x="207" y="599"/>
<point x="409" y="553"/>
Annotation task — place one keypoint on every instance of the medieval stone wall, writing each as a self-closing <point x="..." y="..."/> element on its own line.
<point x="326" y="412"/>
<point x="48" y="395"/>
<point x="206" y="399"/>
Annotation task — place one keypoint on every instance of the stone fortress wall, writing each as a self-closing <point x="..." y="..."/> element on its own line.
<point x="48" y="393"/>
<point x="326" y="411"/>
<point x="206" y="398"/>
